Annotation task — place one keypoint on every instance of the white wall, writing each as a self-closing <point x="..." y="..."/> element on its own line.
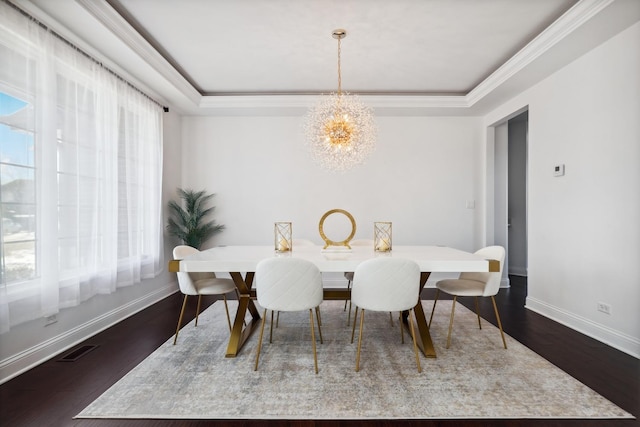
<point x="584" y="228"/>
<point x="29" y="344"/>
<point x="420" y="177"/>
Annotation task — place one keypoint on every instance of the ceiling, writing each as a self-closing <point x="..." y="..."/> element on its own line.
<point x="212" y="55"/>
<point x="285" y="46"/>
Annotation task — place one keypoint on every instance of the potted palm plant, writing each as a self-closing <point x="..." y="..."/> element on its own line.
<point x="188" y="220"/>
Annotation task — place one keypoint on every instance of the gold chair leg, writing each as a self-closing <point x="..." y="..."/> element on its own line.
<point x="359" y="339"/>
<point x="495" y="308"/>
<point x="413" y="335"/>
<point x="355" y="319"/>
<point x="453" y="309"/>
<point x="401" y="328"/>
<point x="434" y="307"/>
<point x="319" y="323"/>
<point x="349" y="300"/>
<point x="226" y="308"/>
<point x="391" y="318"/>
<point x="345" y="301"/>
<point x="271" y="329"/>
<point x="478" y="313"/>
<point x="264" y="319"/>
<point x="277" y="319"/>
<point x="184" y="304"/>
<point x="198" y="309"/>
<point x="313" y="341"/>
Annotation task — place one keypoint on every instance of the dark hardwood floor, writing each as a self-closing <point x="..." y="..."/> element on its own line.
<point x="52" y="393"/>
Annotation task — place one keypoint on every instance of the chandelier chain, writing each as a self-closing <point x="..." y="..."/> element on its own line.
<point x="339" y="73"/>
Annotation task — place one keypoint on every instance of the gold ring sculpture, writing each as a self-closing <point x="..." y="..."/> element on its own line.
<point x="329" y="242"/>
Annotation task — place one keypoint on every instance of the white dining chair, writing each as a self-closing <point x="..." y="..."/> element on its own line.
<point x="288" y="284"/>
<point x="349" y="274"/>
<point x="386" y="284"/>
<point x="474" y="285"/>
<point x="296" y="243"/>
<point x="200" y="284"/>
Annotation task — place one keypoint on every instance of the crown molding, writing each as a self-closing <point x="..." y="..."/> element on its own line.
<point x="580" y="13"/>
<point x="111" y="19"/>
<point x="305" y="101"/>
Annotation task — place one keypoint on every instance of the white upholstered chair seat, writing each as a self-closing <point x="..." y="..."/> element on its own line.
<point x="288" y="284"/>
<point x="198" y="284"/>
<point x="386" y="284"/>
<point x="475" y="285"/>
<point x="214" y="286"/>
<point x="462" y="287"/>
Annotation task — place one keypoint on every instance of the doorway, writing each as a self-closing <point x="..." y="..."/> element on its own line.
<point x="509" y="190"/>
<point x="518" y="129"/>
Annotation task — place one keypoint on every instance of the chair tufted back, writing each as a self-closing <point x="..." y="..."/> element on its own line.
<point x="491" y="280"/>
<point x="288" y="284"/>
<point x="186" y="281"/>
<point x="386" y="284"/>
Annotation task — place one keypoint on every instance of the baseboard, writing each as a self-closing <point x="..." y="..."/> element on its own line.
<point x="611" y="337"/>
<point x="31" y="357"/>
<point x="505" y="282"/>
<point x="518" y="271"/>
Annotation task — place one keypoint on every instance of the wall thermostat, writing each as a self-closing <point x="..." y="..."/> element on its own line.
<point x="558" y="170"/>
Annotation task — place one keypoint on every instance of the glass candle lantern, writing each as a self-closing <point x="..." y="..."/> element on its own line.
<point x="382" y="236"/>
<point x="282" y="237"/>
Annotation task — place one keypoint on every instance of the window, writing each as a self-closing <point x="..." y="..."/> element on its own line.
<point x="17" y="189"/>
<point x="80" y="175"/>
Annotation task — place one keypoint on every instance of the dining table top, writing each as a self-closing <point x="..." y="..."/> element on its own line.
<point x="334" y="259"/>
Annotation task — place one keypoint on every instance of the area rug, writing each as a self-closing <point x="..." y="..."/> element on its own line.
<point x="475" y="378"/>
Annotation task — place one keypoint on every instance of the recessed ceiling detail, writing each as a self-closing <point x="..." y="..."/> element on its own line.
<point x="409" y="57"/>
<point x="434" y="47"/>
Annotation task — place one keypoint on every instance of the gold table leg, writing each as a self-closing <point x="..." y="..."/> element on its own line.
<point x="423" y="336"/>
<point x="239" y="332"/>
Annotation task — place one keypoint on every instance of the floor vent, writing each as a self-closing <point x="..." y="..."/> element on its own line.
<point x="77" y="353"/>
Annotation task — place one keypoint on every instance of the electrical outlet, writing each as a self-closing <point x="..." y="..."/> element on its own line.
<point x="604" y="308"/>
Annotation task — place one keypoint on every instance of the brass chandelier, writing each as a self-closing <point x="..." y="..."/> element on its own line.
<point x="340" y="130"/>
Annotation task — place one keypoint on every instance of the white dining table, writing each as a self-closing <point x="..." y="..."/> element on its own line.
<point x="241" y="261"/>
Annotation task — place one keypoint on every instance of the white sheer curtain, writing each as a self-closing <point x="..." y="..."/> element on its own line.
<point x="96" y="172"/>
